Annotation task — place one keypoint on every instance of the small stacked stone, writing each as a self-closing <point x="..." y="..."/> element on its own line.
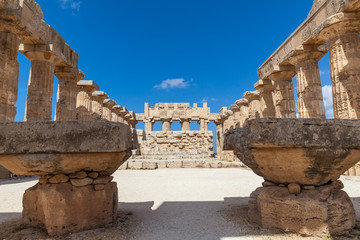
<point x="79" y="179"/>
<point x="296" y="189"/>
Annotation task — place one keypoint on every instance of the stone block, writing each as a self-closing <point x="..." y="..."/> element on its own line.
<point x="311" y="213"/>
<point x="123" y="166"/>
<point x="215" y="164"/>
<point x="149" y="165"/>
<point x="63" y="208"/>
<point x="161" y="164"/>
<point x="135" y="165"/>
<point x="174" y="164"/>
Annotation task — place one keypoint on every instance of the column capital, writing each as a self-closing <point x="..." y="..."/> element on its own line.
<point x="264" y="85"/>
<point x="252" y="95"/>
<point x="166" y="119"/>
<point x="99" y="96"/>
<point x="283" y="73"/>
<point x="109" y="103"/>
<point x="234" y="108"/>
<point x="307" y="52"/>
<point x="87" y="85"/>
<point x="39" y="53"/>
<point x="242" y="102"/>
<point x="69" y="73"/>
<point x="185" y="119"/>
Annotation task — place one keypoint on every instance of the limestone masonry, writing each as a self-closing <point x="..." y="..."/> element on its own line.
<point x="300" y="155"/>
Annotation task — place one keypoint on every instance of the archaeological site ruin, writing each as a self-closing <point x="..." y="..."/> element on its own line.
<point x="299" y="153"/>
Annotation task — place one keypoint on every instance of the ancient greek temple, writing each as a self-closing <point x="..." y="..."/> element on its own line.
<point x="300" y="154"/>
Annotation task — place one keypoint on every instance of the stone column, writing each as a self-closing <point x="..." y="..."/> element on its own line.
<point x="284" y="97"/>
<point x="117" y="111"/>
<point x="243" y="105"/>
<point x="344" y="49"/>
<point x="41" y="80"/>
<point x="108" y="104"/>
<point x="97" y="100"/>
<point x="83" y="100"/>
<point x="266" y="88"/>
<point x="236" y="117"/>
<point x="123" y="113"/>
<point x="309" y="90"/>
<point x="166" y="124"/>
<point x="254" y="104"/>
<point x="203" y="124"/>
<point x="67" y="93"/>
<point x="149" y="123"/>
<point x="185" y="123"/>
<point x="219" y="131"/>
<point x="9" y="74"/>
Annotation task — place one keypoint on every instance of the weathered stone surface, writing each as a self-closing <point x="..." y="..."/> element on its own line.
<point x="135" y="165"/>
<point x="161" y="164"/>
<point x="40" y="148"/>
<point x="305" y="213"/>
<point x="149" y="165"/>
<point x="80" y="174"/>
<point x="123" y="166"/>
<point x="99" y="187"/>
<point x="63" y="208"/>
<point x="59" y="178"/>
<point x="294" y="188"/>
<point x="173" y="164"/>
<point x="103" y="180"/>
<point x="93" y="174"/>
<point x="268" y="184"/>
<point x="81" y="182"/>
<point x="302" y="151"/>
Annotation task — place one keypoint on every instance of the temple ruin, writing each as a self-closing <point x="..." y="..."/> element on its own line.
<point x="300" y="157"/>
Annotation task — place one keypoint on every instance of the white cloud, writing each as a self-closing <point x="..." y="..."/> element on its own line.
<point x="72" y="4"/>
<point x="173" y="83"/>
<point x="324" y="72"/>
<point x="205" y="99"/>
<point x="328" y="101"/>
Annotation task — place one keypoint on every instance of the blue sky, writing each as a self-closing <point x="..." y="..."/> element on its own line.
<point x="173" y="50"/>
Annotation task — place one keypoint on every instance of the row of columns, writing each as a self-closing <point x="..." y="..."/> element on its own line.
<point x="185" y="124"/>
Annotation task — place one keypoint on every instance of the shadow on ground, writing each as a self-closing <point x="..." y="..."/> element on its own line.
<point x="215" y="220"/>
<point x="20" y="179"/>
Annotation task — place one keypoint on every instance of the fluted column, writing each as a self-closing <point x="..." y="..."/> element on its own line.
<point x="83" y="100"/>
<point x="284" y="97"/>
<point x="236" y="115"/>
<point x="344" y="48"/>
<point x="203" y="124"/>
<point x="309" y="90"/>
<point x="97" y="100"/>
<point x="166" y="124"/>
<point x="67" y="93"/>
<point x="41" y="80"/>
<point x="117" y="111"/>
<point x="185" y="123"/>
<point x="108" y="104"/>
<point x="266" y="88"/>
<point x="253" y="98"/>
<point x="9" y="74"/>
<point x="219" y="132"/>
<point x="243" y="105"/>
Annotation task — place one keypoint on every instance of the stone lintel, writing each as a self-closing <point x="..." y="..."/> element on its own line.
<point x="307" y="32"/>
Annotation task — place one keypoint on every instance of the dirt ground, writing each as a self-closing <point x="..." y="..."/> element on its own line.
<point x="168" y="204"/>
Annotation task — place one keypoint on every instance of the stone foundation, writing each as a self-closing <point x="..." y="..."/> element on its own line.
<point x="315" y="212"/>
<point x="175" y="145"/>
<point x="71" y="203"/>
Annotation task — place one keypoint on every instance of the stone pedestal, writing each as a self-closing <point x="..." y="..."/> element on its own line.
<point x="62" y="208"/>
<point x="284" y="97"/>
<point x="254" y="104"/>
<point x="67" y="93"/>
<point x="266" y="88"/>
<point x="83" y="100"/>
<point x="9" y="75"/>
<point x="315" y="212"/>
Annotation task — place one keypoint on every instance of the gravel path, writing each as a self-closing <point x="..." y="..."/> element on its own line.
<point x="166" y="204"/>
